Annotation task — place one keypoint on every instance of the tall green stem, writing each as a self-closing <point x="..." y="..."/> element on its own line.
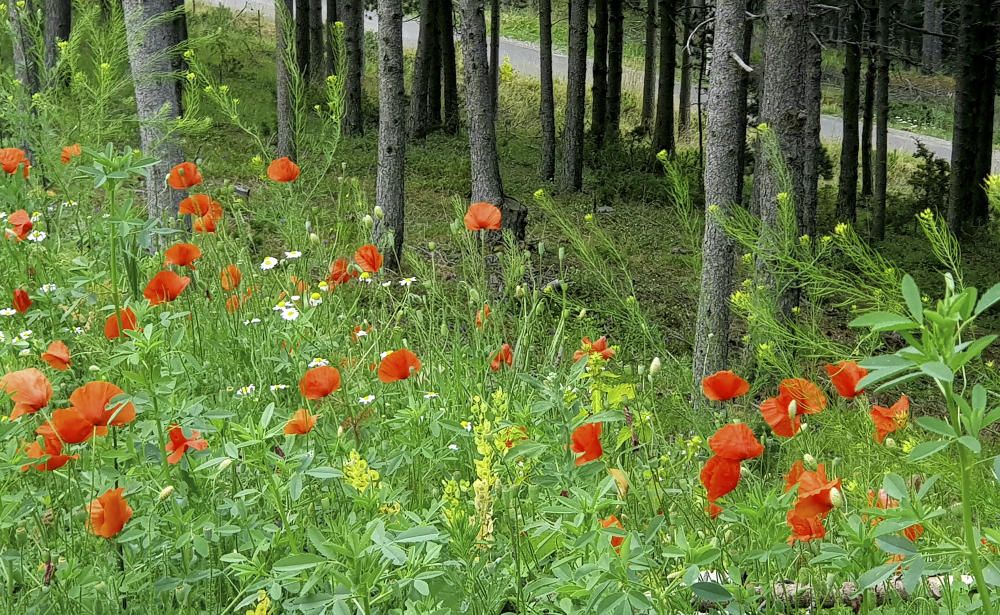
<point x="115" y="292"/>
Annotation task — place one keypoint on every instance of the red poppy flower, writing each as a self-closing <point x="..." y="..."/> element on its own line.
<point x="483" y="217"/>
<point x="319" y="382"/>
<point x="52" y="448"/>
<point x="179" y="443"/>
<point x="70" y="152"/>
<point x="29" y="389"/>
<point x="735" y="441"/>
<point x="283" y="170"/>
<point x="230" y="278"/>
<point x="117" y="323"/>
<point x="587" y="441"/>
<point x="21" y="300"/>
<point x="360" y="332"/>
<point x="796" y="396"/>
<point x="57" y="356"/>
<point x="233" y="304"/>
<point x="109" y="513"/>
<point x="892" y="419"/>
<point x="70" y="426"/>
<point x="804" y="529"/>
<point x="301" y="423"/>
<point x="12" y="158"/>
<point x="845" y="377"/>
<point x="599" y="348"/>
<point x="164" y="287"/>
<point x="368" y="258"/>
<point x="398" y="365"/>
<point x="183" y="176"/>
<point x="196" y="205"/>
<point x="817" y="495"/>
<point x="482" y="315"/>
<point x="720" y="476"/>
<point x="182" y="255"/>
<point x="93" y="401"/>
<point x="20" y="223"/>
<point x="503" y="356"/>
<point x="612" y="521"/>
<point x="340" y="272"/>
<point x="723" y="386"/>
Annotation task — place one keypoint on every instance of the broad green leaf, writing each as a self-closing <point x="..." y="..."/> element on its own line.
<point x="926" y="449"/>
<point x="897" y="545"/>
<point x="990" y="297"/>
<point x="883" y="321"/>
<point x="971" y="443"/>
<point x="298" y="563"/>
<point x="875" y="576"/>
<point x="938" y="371"/>
<point x="936" y="425"/>
<point x="911" y="294"/>
<point x="996" y="467"/>
<point x="895" y="486"/>
<point x="711" y="592"/>
<point x="912" y="574"/>
<point x="422" y="533"/>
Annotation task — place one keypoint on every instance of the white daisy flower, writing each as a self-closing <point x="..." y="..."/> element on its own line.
<point x="36" y="216"/>
<point x="246" y="391"/>
<point x="296" y="297"/>
<point x="361" y="333"/>
<point x="385" y="353"/>
<point x="367" y="399"/>
<point x="453" y="446"/>
<point x="278" y="387"/>
<point x="27" y="333"/>
<point x="407" y="281"/>
<point x="318" y="362"/>
<point x="8" y="312"/>
<point x="387" y="284"/>
<point x="268" y="263"/>
<point x="3" y="216"/>
<point x="37" y="236"/>
<point x="290" y="313"/>
<point x="315" y="299"/>
<point x="293" y="254"/>
<point x="78" y="330"/>
<point x="252" y="321"/>
<point x="24" y="353"/>
<point x="48" y="288"/>
<point x="3" y="337"/>
<point x="324" y="286"/>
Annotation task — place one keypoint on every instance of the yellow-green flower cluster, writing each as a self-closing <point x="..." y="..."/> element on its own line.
<point x="454" y="497"/>
<point x="263" y="604"/>
<point x="358" y="474"/>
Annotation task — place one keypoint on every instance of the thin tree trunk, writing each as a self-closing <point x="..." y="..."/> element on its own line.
<point x="649" y="69"/>
<point x="389" y="182"/>
<point x="155" y="96"/>
<point x="317" y="40"/>
<point x="847" y="190"/>
<point x="576" y="94"/>
<point x="178" y="64"/>
<point x="987" y="109"/>
<point x="663" y="132"/>
<point x="284" y="53"/>
<point x="417" y="122"/>
<point x="616" y="54"/>
<point x="485" y="164"/>
<point x="25" y="67"/>
<point x="930" y="56"/>
<point x="881" y="121"/>
<point x="813" y="148"/>
<point x="494" y="54"/>
<point x="448" y="67"/>
<point x="302" y="35"/>
<point x="599" y="80"/>
<point x="684" y="95"/>
<point x="727" y="122"/>
<point x="332" y="17"/>
<point x="867" y="129"/>
<point x="57" y="28"/>
<point x="546" y="113"/>
<point x="434" y="69"/>
<point x="354" y="43"/>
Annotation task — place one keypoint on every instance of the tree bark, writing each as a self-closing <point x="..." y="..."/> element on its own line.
<point x="867" y="129"/>
<point x="417" y="124"/>
<point x="990" y="26"/>
<point x="57" y="28"/>
<point x="494" y="54"/>
<point x="302" y="35"/>
<point x="354" y="43"/>
<point x="546" y="113"/>
<point x="684" y="94"/>
<point x="616" y="55"/>
<point x="284" y="36"/>
<point x="25" y="68"/>
<point x="930" y="56"/>
<point x="727" y="123"/>
<point x="881" y="120"/>
<point x="317" y="40"/>
<point x="649" y="69"/>
<point x="434" y="69"/>
<point x="576" y="94"/>
<point x="663" y="132"/>
<point x="599" y="72"/>
<point x="847" y="188"/>
<point x="389" y="182"/>
<point x="813" y="148"/>
<point x="448" y="68"/>
<point x="332" y="17"/>
<point x="485" y="164"/>
<point x="155" y="96"/>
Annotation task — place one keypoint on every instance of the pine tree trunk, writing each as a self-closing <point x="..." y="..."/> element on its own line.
<point x="332" y="17"/>
<point x="881" y="121"/>
<point x="354" y="43"/>
<point x="155" y="97"/>
<point x="547" y="112"/>
<point x="284" y="33"/>
<point x="990" y="39"/>
<point x="930" y="57"/>
<point x="494" y="55"/>
<point x="599" y="80"/>
<point x="389" y="182"/>
<point x="867" y="129"/>
<point x="616" y="56"/>
<point x="783" y="109"/>
<point x="178" y="64"/>
<point x="25" y="68"/>
<point x="684" y="95"/>
<point x="723" y="189"/>
<point x="302" y="35"/>
<point x="485" y="164"/>
<point x="847" y="190"/>
<point x="576" y="95"/>
<point x="317" y="40"/>
<point x="813" y="148"/>
<point x="663" y="132"/>
<point x="434" y="70"/>
<point x="57" y="28"/>
<point x="448" y="68"/>
<point x="649" y="69"/>
<point x="418" y="120"/>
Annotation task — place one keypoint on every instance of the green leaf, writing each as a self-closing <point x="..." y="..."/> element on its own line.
<point x="875" y="576"/>
<point x="996" y="467"/>
<point x="298" y="563"/>
<point x="926" y="449"/>
<point x="895" y="486"/>
<point x="938" y="371"/>
<point x="711" y="592"/>
<point x="936" y="425"/>
<point x="971" y="443"/>
<point x="911" y="294"/>
<point x="422" y="533"/>
<point x="990" y="297"/>
<point x="883" y="321"/>
<point x="897" y="545"/>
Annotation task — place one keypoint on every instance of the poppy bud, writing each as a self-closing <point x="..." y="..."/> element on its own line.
<point x="519" y="291"/>
<point x="889" y="442"/>
<point x="582" y="314"/>
<point x="562" y="254"/>
<point x="379" y="213"/>
<point x="432" y="245"/>
<point x="655" y="366"/>
<point x="444" y="330"/>
<point x="793" y="409"/>
<point x="368" y="221"/>
<point x="541" y="249"/>
<point x="640" y="369"/>
<point x="809" y="461"/>
<point x="166" y="491"/>
<point x="225" y="464"/>
<point x="313" y="238"/>
<point x="745" y="472"/>
<point x="836" y="498"/>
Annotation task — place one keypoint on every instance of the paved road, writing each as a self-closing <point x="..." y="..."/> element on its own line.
<point x="523" y="57"/>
